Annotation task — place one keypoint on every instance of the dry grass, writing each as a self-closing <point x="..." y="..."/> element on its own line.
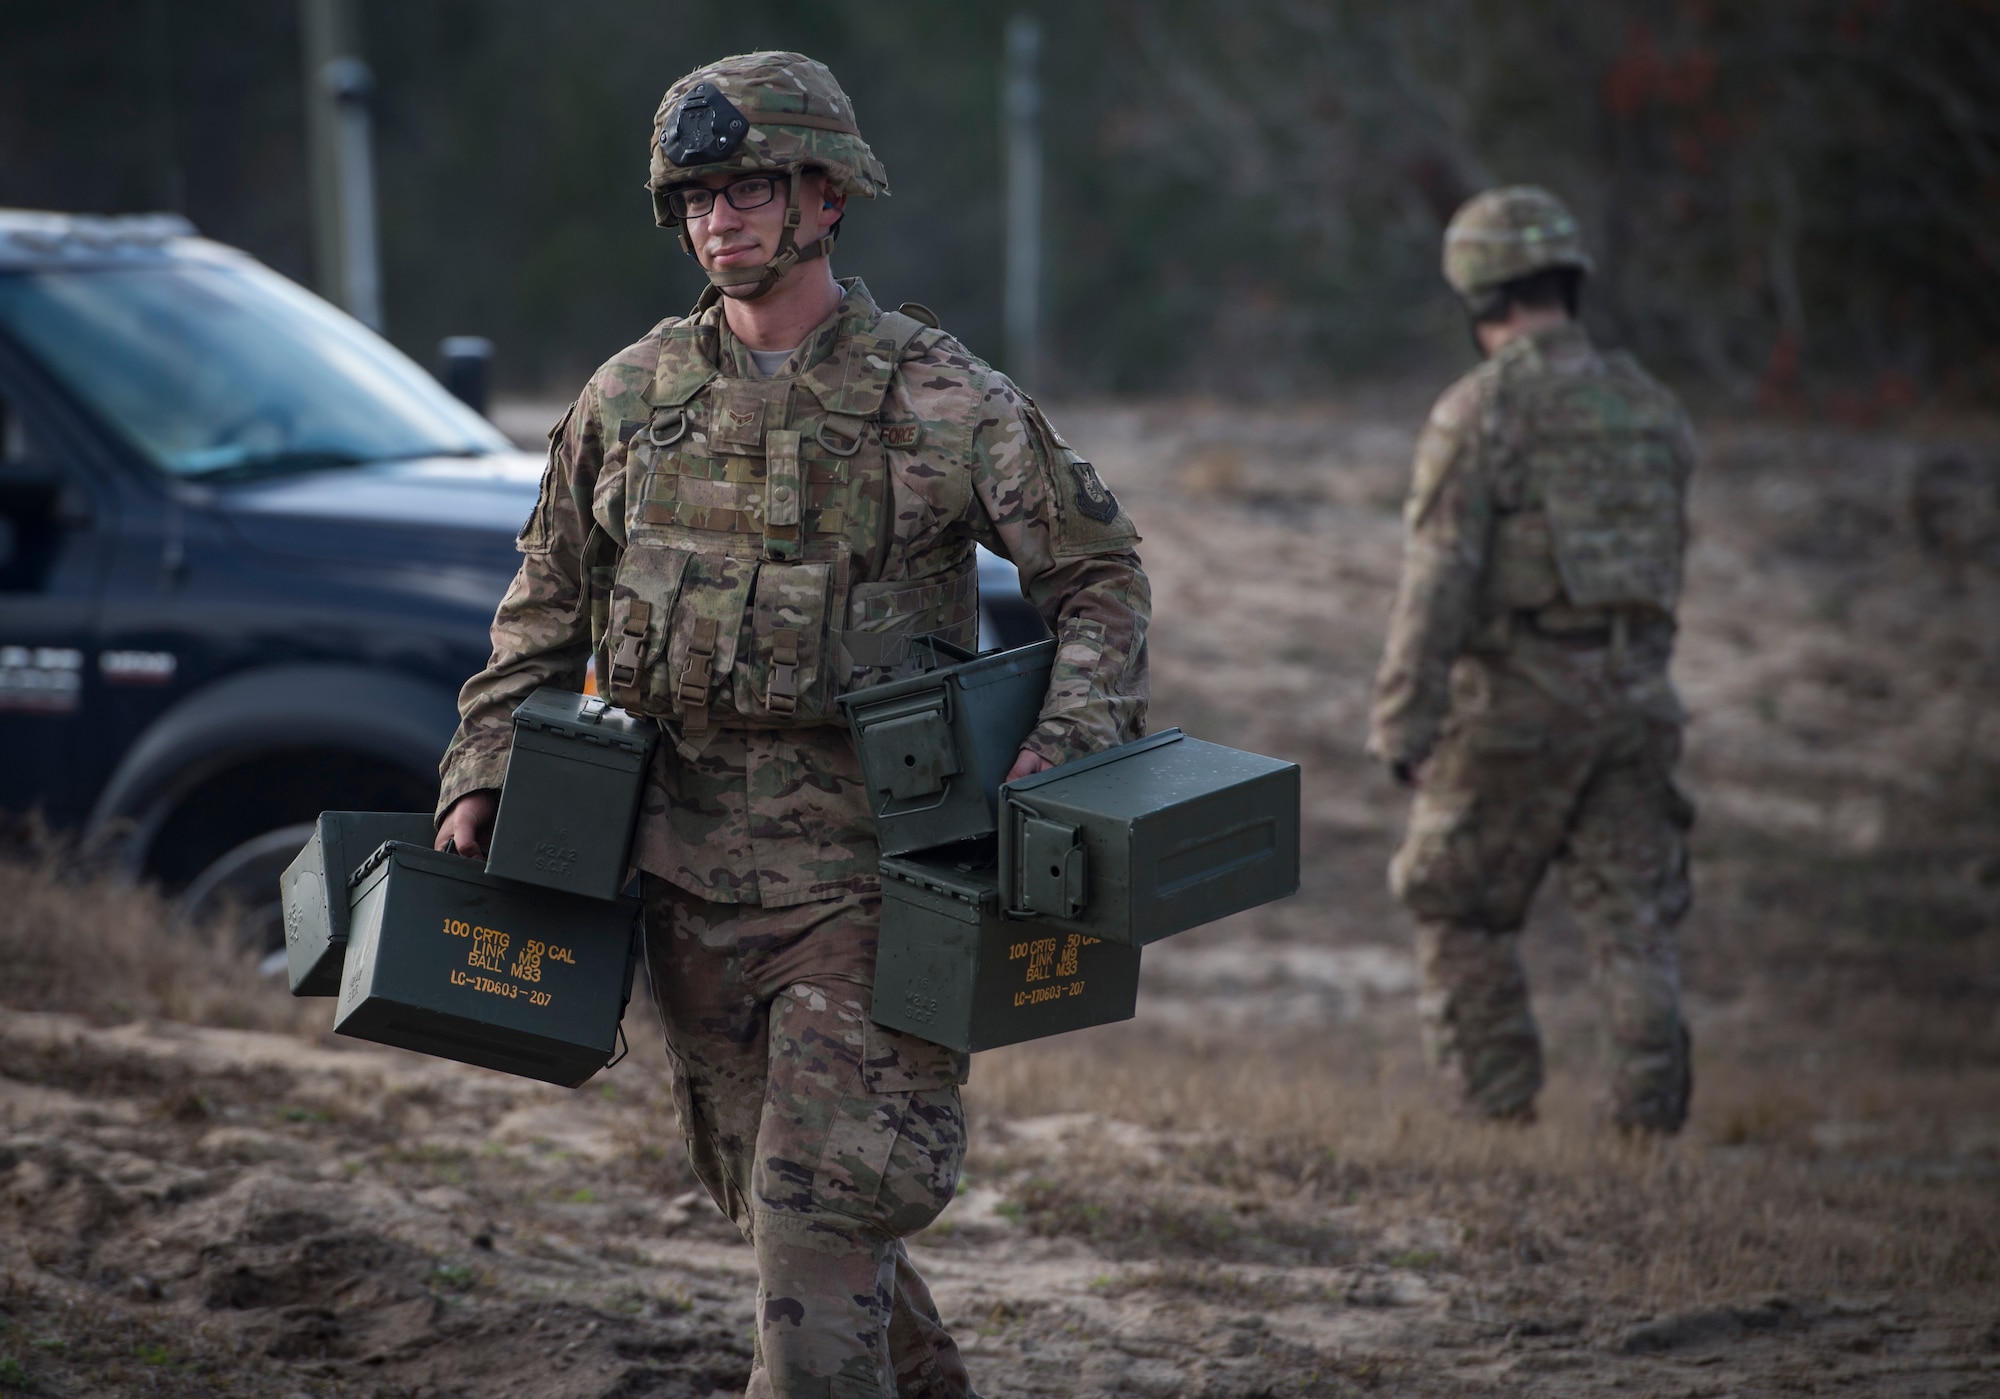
<point x="1273" y="1137"/>
<point x="111" y="951"/>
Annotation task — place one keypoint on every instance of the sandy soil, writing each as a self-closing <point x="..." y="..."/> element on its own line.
<point x="1247" y="1191"/>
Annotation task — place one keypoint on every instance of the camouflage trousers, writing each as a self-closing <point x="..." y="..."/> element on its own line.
<point x="1503" y="797"/>
<point x="825" y="1137"/>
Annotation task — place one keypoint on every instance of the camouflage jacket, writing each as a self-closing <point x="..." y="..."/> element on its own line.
<point x="1546" y="527"/>
<point x="756" y="797"/>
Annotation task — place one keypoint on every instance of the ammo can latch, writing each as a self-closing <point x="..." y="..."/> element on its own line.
<point x="1050" y="874"/>
<point x="913" y="749"/>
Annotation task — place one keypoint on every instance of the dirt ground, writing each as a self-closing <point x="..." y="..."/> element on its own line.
<point x="1247" y="1191"/>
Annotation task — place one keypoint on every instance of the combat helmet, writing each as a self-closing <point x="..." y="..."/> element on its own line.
<point x="773" y="111"/>
<point x="1507" y="233"/>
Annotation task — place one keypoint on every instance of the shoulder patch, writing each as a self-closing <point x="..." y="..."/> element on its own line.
<point x="917" y="311"/>
<point x="535" y="533"/>
<point x="902" y="436"/>
<point x="1453" y="421"/>
<point x="1089" y="519"/>
<point x="1093" y="497"/>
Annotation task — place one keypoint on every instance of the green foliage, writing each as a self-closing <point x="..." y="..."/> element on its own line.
<point x="453" y="1277"/>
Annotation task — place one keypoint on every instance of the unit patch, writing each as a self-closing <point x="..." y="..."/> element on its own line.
<point x="902" y="436"/>
<point x="1093" y="497"/>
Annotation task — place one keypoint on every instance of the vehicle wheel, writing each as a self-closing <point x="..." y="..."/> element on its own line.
<point x="246" y="878"/>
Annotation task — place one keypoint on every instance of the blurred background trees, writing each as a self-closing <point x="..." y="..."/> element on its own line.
<point x="1797" y="201"/>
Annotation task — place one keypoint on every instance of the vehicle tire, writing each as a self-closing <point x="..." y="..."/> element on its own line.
<point x="245" y="878"/>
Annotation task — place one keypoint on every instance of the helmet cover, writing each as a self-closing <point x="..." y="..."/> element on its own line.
<point x="1509" y="233"/>
<point x="775" y="111"/>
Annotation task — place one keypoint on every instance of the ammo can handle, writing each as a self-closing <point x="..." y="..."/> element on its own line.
<point x="942" y="796"/>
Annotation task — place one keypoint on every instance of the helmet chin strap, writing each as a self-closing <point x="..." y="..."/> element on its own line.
<point x="766" y="276"/>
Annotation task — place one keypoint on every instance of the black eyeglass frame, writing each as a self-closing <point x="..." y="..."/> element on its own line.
<point x="678" y="196"/>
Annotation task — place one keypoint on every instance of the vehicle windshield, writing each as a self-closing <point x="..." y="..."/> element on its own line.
<point x="228" y="371"/>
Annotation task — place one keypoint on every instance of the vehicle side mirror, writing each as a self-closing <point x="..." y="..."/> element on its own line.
<point x="468" y="369"/>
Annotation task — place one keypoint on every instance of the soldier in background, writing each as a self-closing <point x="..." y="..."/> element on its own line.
<point x="752" y="510"/>
<point x="1524" y="691"/>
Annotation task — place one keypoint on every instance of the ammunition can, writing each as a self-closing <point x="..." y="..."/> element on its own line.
<point x="935" y="747"/>
<point x="314" y="890"/>
<point x="446" y="959"/>
<point x="950" y="969"/>
<point x="571" y="794"/>
<point x="1149" y="839"/>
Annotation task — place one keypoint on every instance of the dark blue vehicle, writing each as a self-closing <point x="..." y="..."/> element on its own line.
<point x="248" y="553"/>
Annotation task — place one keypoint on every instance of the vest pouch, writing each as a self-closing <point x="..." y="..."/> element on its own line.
<point x="638" y="626"/>
<point x="1520" y="565"/>
<point x="1603" y="464"/>
<point x="784" y="677"/>
<point x="1615" y="516"/>
<point x="701" y="646"/>
<point x="883" y="619"/>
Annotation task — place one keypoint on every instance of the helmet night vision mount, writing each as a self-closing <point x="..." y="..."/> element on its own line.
<point x="778" y="113"/>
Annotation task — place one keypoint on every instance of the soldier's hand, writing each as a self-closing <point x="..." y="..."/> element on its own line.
<point x="469" y="823"/>
<point x="1026" y="764"/>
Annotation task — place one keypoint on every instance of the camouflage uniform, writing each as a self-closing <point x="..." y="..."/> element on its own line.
<point x="1527" y="671"/>
<point x="735" y="551"/>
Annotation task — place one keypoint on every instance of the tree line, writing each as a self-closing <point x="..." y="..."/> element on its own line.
<point x="1796" y="201"/>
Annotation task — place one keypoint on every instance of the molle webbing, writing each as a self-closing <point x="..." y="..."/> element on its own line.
<point x="748" y="598"/>
<point x="782" y="491"/>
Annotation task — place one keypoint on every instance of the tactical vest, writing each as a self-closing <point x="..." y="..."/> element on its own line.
<point x="758" y="577"/>
<point x="1596" y="519"/>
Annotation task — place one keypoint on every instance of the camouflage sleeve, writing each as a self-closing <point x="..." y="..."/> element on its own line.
<point x="1044" y="507"/>
<point x="541" y="632"/>
<point x="1448" y="518"/>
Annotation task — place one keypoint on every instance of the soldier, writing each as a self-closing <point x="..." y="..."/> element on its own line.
<point x="756" y="508"/>
<point x="1524" y="691"/>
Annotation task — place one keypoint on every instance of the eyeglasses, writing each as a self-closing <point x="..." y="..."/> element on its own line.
<point x="750" y="192"/>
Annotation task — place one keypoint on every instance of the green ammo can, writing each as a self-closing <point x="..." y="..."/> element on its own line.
<point x="314" y="890"/>
<point x="571" y="794"/>
<point x="1149" y="839"/>
<point x="446" y="959"/>
<point x="950" y="969"/>
<point x="935" y="747"/>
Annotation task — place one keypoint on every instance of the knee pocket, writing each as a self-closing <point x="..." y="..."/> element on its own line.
<point x="1442" y="870"/>
<point x="1435" y="873"/>
<point x="896" y="1140"/>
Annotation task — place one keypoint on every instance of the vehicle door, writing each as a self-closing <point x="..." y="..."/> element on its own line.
<point x="55" y="527"/>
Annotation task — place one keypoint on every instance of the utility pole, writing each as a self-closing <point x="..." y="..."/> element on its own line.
<point x="340" y="157"/>
<point x="1021" y="127"/>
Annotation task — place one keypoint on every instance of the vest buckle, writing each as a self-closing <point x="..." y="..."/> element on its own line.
<point x="695" y="680"/>
<point x="625" y="657"/>
<point x="783" y="698"/>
